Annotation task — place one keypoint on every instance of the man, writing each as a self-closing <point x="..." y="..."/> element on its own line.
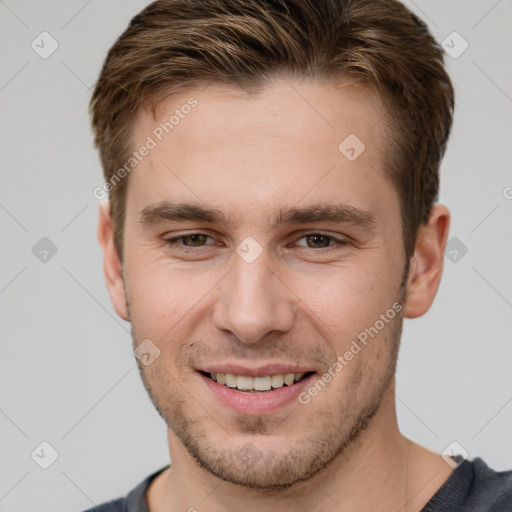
<point x="272" y="169"/>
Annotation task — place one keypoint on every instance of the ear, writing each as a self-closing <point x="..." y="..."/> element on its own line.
<point x="112" y="267"/>
<point x="426" y="265"/>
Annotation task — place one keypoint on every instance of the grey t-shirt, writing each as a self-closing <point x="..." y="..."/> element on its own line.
<point x="472" y="487"/>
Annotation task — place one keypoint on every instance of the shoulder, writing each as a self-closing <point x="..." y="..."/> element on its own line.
<point x="473" y="487"/>
<point x="491" y="489"/>
<point x="134" y="501"/>
<point x="118" y="505"/>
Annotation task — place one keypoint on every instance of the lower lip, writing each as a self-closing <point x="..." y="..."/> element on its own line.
<point x="256" y="403"/>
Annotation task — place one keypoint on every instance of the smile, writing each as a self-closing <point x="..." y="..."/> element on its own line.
<point x="246" y="383"/>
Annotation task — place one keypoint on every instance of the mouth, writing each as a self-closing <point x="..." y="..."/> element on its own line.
<point x="261" y="384"/>
<point x="255" y="390"/>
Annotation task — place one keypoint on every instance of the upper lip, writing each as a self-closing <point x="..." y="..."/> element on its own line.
<point x="256" y="371"/>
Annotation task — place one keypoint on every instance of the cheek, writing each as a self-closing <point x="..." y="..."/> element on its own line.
<point x="342" y="301"/>
<point x="168" y="303"/>
<point x="160" y="290"/>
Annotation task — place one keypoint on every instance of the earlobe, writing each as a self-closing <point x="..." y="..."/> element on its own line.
<point x="426" y="266"/>
<point x="112" y="267"/>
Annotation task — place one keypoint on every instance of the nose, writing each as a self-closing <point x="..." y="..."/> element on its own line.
<point x="253" y="301"/>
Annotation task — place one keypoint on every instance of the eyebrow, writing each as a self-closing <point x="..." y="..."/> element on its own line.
<point x="337" y="213"/>
<point x="167" y="211"/>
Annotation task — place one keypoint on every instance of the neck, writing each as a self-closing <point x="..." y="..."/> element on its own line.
<point x="380" y="470"/>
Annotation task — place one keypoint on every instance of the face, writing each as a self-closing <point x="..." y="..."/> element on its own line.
<point x="260" y="252"/>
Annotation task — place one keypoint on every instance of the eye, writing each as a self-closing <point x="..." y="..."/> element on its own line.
<point x="318" y="241"/>
<point x="191" y="240"/>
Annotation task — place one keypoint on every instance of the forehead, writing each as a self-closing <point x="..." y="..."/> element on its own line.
<point x="291" y="141"/>
<point x="298" y="111"/>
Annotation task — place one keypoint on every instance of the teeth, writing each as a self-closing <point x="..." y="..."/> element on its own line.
<point x="277" y="381"/>
<point x="245" y="383"/>
<point x="289" y="379"/>
<point x="230" y="380"/>
<point x="262" y="383"/>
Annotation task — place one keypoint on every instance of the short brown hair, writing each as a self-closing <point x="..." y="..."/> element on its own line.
<point x="176" y="44"/>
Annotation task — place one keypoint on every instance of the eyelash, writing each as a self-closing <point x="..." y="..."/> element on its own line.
<point x="172" y="242"/>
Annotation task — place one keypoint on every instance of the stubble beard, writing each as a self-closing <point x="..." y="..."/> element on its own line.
<point x="268" y="471"/>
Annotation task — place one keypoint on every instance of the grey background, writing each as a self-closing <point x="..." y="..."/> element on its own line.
<point x="67" y="373"/>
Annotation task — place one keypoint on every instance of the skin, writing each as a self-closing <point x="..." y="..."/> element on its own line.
<point x="298" y="302"/>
